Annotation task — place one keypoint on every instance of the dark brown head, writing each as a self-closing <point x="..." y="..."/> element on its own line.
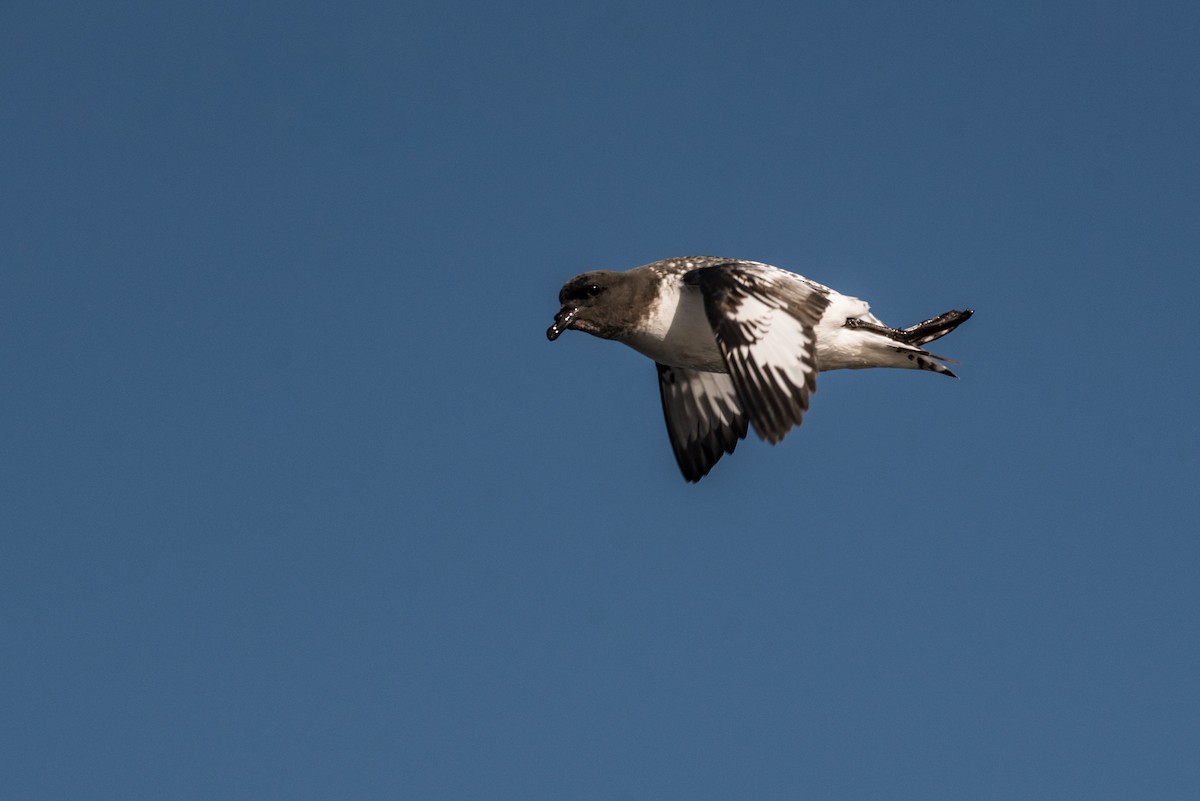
<point x="601" y="303"/>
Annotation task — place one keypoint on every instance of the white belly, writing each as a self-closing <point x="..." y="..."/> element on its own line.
<point x="678" y="333"/>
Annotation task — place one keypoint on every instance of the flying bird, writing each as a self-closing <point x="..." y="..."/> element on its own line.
<point x="737" y="343"/>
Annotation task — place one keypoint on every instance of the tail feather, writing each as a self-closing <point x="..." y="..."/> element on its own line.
<point x="924" y="360"/>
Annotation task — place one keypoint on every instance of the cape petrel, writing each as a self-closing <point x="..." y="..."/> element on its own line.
<point x="738" y="342"/>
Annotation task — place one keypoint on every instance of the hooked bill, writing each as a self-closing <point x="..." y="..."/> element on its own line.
<point x="562" y="321"/>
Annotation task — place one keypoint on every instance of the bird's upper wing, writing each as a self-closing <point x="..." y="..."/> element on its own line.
<point x="704" y="418"/>
<point x="763" y="318"/>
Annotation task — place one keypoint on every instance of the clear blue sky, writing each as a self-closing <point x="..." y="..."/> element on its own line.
<point x="298" y="502"/>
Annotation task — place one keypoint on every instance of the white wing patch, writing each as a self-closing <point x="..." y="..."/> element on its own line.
<point x="763" y="319"/>
<point x="704" y="417"/>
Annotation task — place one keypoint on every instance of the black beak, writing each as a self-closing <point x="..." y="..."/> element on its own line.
<point x="562" y="321"/>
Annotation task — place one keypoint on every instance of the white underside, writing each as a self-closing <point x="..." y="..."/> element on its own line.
<point x="678" y="334"/>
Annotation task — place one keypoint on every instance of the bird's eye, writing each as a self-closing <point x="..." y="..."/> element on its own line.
<point x="593" y="290"/>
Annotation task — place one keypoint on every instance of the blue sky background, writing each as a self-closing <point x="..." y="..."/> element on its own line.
<point x="298" y="501"/>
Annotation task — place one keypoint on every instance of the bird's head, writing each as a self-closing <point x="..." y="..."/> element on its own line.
<point x="598" y="303"/>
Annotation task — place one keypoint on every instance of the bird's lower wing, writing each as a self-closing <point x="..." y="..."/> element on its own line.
<point x="704" y="418"/>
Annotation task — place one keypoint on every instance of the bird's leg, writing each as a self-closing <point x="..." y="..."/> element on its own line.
<point x="919" y="334"/>
<point x="882" y="330"/>
<point x="934" y="327"/>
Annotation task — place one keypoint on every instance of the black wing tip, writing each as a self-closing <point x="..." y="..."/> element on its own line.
<point x="697" y="455"/>
<point x="697" y="460"/>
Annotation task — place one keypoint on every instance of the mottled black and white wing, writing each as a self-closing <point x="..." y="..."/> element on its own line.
<point x="763" y="318"/>
<point x="704" y="419"/>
